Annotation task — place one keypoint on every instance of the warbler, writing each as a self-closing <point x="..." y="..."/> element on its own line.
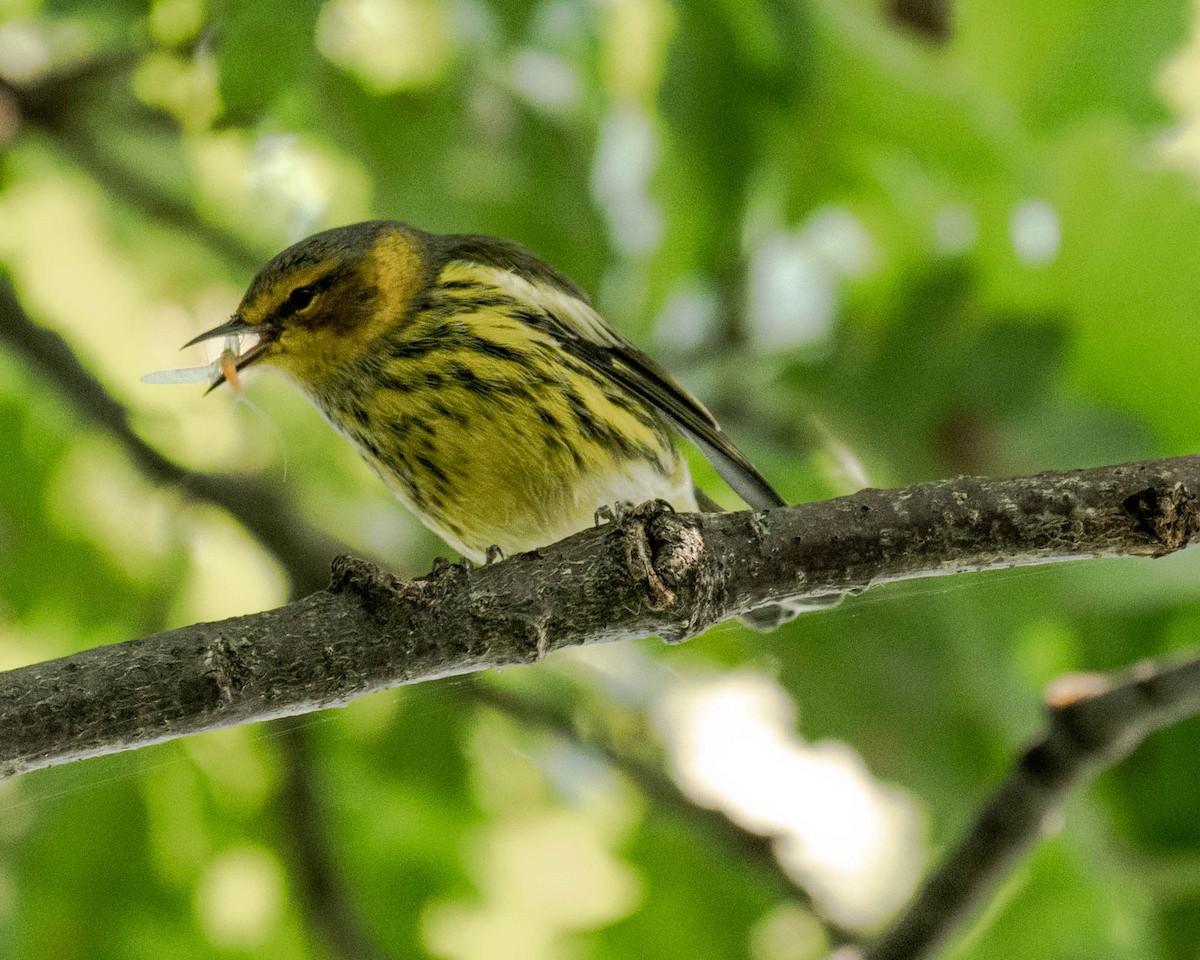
<point x="479" y="383"/>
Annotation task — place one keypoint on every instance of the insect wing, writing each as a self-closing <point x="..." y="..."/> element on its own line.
<point x="183" y="374"/>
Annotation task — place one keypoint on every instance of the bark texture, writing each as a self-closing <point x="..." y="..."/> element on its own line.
<point x="655" y="572"/>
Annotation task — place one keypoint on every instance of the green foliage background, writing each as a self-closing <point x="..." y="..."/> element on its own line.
<point x="989" y="265"/>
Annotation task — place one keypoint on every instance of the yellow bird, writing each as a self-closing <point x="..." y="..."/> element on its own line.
<point x="479" y="384"/>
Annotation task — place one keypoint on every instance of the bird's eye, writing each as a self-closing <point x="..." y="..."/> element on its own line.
<point x="299" y="299"/>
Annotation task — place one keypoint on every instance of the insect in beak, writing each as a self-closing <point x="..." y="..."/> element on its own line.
<point x="231" y="360"/>
<point x="225" y="368"/>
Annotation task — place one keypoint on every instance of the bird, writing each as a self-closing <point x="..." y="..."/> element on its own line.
<point x="480" y="385"/>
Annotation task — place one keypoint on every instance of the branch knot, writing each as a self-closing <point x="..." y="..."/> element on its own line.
<point x="1172" y="521"/>
<point x="636" y="537"/>
<point x="665" y="552"/>
<point x="376" y="589"/>
<point x="224" y="666"/>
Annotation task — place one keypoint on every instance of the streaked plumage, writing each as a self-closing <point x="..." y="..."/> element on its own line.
<point x="479" y="383"/>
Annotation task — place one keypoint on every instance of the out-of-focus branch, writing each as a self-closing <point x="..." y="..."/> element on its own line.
<point x="303" y="816"/>
<point x="753" y="849"/>
<point x="54" y="95"/>
<point x="930" y="19"/>
<point x="302" y="549"/>
<point x="150" y="197"/>
<point x="58" y="105"/>
<point x="1083" y="737"/>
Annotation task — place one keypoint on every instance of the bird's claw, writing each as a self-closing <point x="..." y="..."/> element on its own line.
<point x="493" y="554"/>
<point x="612" y="514"/>
<point x="442" y="566"/>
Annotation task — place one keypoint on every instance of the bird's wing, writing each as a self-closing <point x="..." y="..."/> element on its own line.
<point x="567" y="315"/>
<point x="645" y="379"/>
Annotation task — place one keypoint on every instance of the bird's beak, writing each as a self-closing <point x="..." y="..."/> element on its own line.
<point x="235" y="326"/>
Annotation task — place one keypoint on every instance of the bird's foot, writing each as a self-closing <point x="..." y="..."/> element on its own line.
<point x="443" y="567"/>
<point x="614" y="514"/>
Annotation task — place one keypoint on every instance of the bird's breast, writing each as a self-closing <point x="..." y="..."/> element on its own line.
<point x="505" y="454"/>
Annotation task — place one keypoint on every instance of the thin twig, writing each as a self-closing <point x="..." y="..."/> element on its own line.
<point x="1083" y="738"/>
<point x="60" y="106"/>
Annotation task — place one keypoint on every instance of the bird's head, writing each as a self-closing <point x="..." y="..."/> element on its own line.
<point x="317" y="306"/>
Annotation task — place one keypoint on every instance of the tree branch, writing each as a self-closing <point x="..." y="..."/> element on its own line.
<point x="653" y="573"/>
<point x="1084" y="737"/>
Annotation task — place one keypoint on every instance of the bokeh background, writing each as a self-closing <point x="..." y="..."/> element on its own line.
<point x="886" y="242"/>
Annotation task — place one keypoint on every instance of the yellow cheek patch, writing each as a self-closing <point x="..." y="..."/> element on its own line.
<point x="397" y="270"/>
<point x="348" y="317"/>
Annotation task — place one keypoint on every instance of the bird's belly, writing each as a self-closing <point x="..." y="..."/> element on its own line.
<point x="479" y="480"/>
<point x="545" y="510"/>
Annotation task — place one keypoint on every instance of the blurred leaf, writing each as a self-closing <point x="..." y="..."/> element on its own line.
<point x="262" y="49"/>
<point x="1075" y="59"/>
<point x="1087" y="915"/>
<point x="670" y="856"/>
<point x="1016" y="362"/>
